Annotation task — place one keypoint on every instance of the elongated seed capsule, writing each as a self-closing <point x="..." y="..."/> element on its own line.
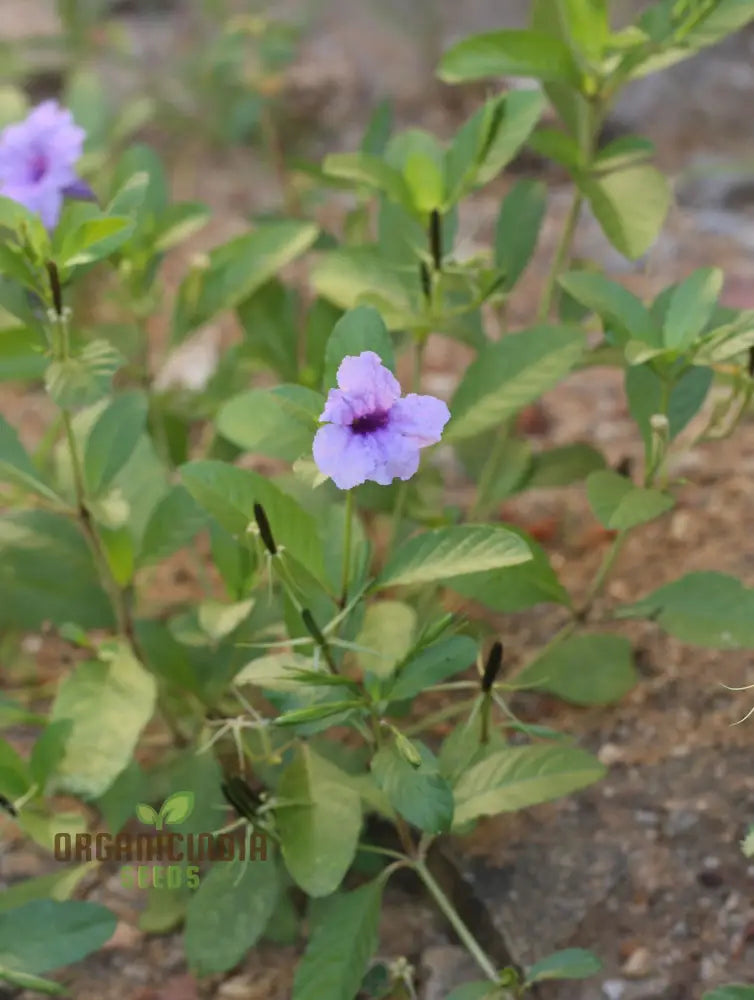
<point x="492" y="669"/>
<point x="239" y="795"/>
<point x="435" y="238"/>
<point x="265" y="531"/>
<point x="57" y="292"/>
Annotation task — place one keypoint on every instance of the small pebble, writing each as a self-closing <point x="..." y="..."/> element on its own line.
<point x="610" y="753"/>
<point x="613" y="989"/>
<point x="638" y="965"/>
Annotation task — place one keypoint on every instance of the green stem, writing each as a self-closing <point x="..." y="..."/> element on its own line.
<point x="90" y="532"/>
<point x="463" y="932"/>
<point x="347" y="533"/>
<point x="488" y="474"/>
<point x="562" y="255"/>
<point x="604" y="571"/>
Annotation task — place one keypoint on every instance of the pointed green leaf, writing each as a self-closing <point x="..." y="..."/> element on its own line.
<point x="108" y="704"/>
<point x="319" y="830"/>
<point x="519" y="777"/>
<point x="46" y="934"/>
<point x="449" y="552"/>
<point x="509" y="53"/>
<point x="228" y="913"/>
<point x="620" y="505"/>
<point x="508" y="375"/>
<point x="706" y="609"/>
<point x="328" y="969"/>
<point x="584" y="669"/>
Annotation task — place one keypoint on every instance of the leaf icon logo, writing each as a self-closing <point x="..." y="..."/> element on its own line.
<point x="175" y="809"/>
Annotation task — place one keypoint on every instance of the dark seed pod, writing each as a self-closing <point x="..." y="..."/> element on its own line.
<point x="751" y="362"/>
<point x="241" y="796"/>
<point x="316" y="633"/>
<point x="265" y="531"/>
<point x="8" y="806"/>
<point x="57" y="292"/>
<point x="492" y="669"/>
<point x="435" y="238"/>
<point x="426" y="280"/>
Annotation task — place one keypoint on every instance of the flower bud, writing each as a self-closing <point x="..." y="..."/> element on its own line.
<point x="659" y="423"/>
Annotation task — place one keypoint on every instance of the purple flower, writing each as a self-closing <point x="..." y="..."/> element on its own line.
<point x="371" y="432"/>
<point x="37" y="160"/>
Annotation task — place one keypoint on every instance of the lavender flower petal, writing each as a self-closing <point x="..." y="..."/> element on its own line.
<point x="348" y="459"/>
<point x="422" y="418"/>
<point x="368" y="383"/>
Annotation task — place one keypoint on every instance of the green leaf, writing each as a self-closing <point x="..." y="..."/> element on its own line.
<point x="328" y="969"/>
<point x="488" y="141"/>
<point x="420" y="794"/>
<point x="229" y="494"/>
<point x="571" y="963"/>
<point x="619" y="505"/>
<point x="691" y="306"/>
<point x="387" y="633"/>
<point x="361" y="276"/>
<point x="431" y="665"/>
<point x="59" y="885"/>
<point x="645" y="391"/>
<point x="508" y="375"/>
<point x="16" y="466"/>
<point x="585" y="669"/>
<point x="174" y="523"/>
<point x="360" y="329"/>
<point x="237" y="269"/>
<point x="177" y="223"/>
<point x="24" y="980"/>
<point x="279" y="422"/>
<point x="480" y="990"/>
<point x="23" y="353"/>
<point x="113" y="438"/>
<point x="735" y="991"/>
<point x="228" y="913"/>
<point x="371" y="172"/>
<point x="615" y="305"/>
<point x="177" y="808"/>
<point x="448" y="552"/>
<point x="630" y="206"/>
<point x="705" y="609"/>
<point x="93" y="240"/>
<point x="47" y="751"/>
<point x="270" y="322"/>
<point x="36" y="547"/>
<point x="509" y="53"/>
<point x="109" y="704"/>
<point x="514" y="588"/>
<point x="319" y="830"/>
<point x="518" y="226"/>
<point x="219" y="619"/>
<point x="47" y="934"/>
<point x="519" y="777"/>
<point x="15" y="777"/>
<point x="514" y="117"/>
<point x="84" y="378"/>
<point x="562" y="466"/>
